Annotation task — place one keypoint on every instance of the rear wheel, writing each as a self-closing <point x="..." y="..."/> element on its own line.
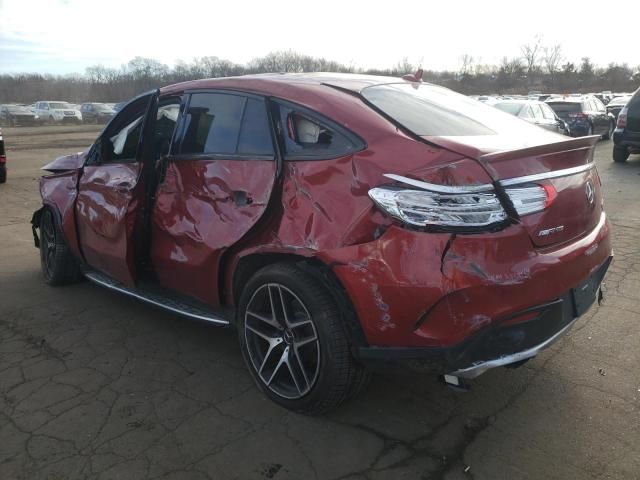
<point x="620" y="154"/>
<point x="293" y="341"/>
<point x="59" y="266"/>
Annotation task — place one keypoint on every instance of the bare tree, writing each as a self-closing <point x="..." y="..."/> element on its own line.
<point x="466" y="64"/>
<point x="531" y="54"/>
<point x="552" y="57"/>
<point x="104" y="84"/>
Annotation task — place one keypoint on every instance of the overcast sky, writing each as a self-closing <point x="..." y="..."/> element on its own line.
<point x="66" y="36"/>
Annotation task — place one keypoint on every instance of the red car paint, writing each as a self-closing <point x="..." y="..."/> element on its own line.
<point x="409" y="288"/>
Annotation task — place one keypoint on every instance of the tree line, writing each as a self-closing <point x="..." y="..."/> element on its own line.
<point x="539" y="67"/>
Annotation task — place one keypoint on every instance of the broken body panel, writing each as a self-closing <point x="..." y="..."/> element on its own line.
<point x="410" y="288"/>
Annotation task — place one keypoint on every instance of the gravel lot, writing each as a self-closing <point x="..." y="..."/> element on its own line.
<point x="96" y="385"/>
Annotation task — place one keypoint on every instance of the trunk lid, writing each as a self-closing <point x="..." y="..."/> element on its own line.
<point x="577" y="205"/>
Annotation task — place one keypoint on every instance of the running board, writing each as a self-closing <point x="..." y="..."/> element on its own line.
<point x="180" y="307"/>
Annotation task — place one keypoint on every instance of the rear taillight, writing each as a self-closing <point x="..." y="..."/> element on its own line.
<point x="578" y="115"/>
<point x="3" y="159"/>
<point x="441" y="206"/>
<point x="531" y="199"/>
<point x="622" y="118"/>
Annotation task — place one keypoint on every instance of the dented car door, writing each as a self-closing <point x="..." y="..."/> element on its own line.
<point x="110" y="194"/>
<point x="217" y="184"/>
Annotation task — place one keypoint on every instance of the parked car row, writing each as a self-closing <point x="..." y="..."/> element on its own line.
<point x="56" y="112"/>
<point x="571" y="115"/>
<point x="536" y="112"/>
<point x="585" y="115"/>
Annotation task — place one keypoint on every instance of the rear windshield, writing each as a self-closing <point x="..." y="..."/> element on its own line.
<point x="429" y="110"/>
<point x="509" y="107"/>
<point x="619" y="101"/>
<point x="565" y="107"/>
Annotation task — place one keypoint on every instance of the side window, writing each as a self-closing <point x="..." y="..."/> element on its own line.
<point x="119" y="143"/>
<point x="307" y="136"/>
<point x="226" y="124"/>
<point x="599" y="105"/>
<point x="526" y="112"/>
<point x="123" y="145"/>
<point x="537" y="113"/>
<point x="547" y="112"/>
<point x="166" y="120"/>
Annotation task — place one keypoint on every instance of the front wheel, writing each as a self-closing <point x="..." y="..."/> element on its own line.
<point x="620" y="154"/>
<point x="59" y="266"/>
<point x="292" y="338"/>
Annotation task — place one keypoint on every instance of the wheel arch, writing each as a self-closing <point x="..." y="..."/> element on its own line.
<point x="247" y="265"/>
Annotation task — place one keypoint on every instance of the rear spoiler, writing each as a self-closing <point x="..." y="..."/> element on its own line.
<point x="569" y="145"/>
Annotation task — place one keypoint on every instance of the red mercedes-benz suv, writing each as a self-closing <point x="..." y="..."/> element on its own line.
<point x="339" y="222"/>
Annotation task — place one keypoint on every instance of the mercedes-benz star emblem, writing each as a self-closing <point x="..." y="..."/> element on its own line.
<point x="590" y="193"/>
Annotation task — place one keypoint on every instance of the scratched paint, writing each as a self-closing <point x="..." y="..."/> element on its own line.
<point x="409" y="288"/>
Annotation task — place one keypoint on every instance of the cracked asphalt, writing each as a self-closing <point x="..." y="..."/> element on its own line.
<point x="96" y="385"/>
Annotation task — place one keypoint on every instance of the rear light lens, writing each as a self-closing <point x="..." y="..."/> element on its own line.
<point x="3" y="159"/>
<point x="527" y="200"/>
<point x="578" y="115"/>
<point x="622" y="118"/>
<point x="424" y="208"/>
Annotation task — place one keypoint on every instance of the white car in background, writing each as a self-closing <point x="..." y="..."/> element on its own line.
<point x="57" y="112"/>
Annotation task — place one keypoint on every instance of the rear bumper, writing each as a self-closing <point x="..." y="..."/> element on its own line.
<point x="500" y="344"/>
<point x="623" y="138"/>
<point x="436" y="291"/>
<point x="579" y="129"/>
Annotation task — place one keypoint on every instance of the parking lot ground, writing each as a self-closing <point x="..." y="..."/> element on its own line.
<point x="96" y="385"/>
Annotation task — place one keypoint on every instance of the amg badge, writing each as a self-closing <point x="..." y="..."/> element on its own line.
<point x="549" y="231"/>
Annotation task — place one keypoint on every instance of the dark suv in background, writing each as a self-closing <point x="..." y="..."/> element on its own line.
<point x="585" y="115"/>
<point x="626" y="137"/>
<point x="96" y="112"/>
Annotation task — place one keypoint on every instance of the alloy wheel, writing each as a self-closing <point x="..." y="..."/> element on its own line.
<point x="282" y="341"/>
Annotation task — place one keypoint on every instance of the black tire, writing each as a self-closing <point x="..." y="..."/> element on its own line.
<point x="59" y="266"/>
<point x="607" y="135"/>
<point x="620" y="154"/>
<point x="336" y="374"/>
